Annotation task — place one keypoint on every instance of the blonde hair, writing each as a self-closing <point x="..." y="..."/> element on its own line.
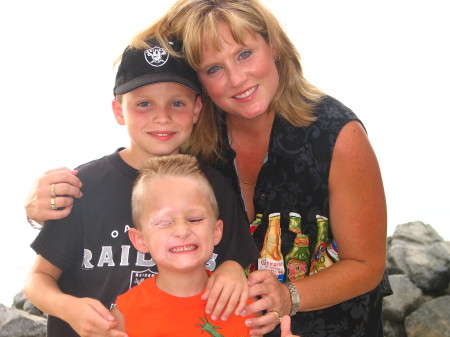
<point x="192" y="20"/>
<point x="179" y="165"/>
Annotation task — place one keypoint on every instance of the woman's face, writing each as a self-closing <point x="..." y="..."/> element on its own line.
<point x="240" y="79"/>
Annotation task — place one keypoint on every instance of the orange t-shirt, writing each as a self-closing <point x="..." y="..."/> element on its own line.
<point x="148" y="311"/>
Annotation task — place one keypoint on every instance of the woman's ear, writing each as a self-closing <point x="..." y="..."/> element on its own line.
<point x="118" y="113"/>
<point x="137" y="239"/>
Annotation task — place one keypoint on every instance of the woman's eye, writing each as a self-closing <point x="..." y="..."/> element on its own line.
<point x="212" y="70"/>
<point x="244" y="55"/>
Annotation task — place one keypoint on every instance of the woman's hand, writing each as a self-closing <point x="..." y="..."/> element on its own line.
<point x="61" y="185"/>
<point x="227" y="290"/>
<point x="273" y="296"/>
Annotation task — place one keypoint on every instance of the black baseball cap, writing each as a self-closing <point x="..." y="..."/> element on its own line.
<point x="142" y="67"/>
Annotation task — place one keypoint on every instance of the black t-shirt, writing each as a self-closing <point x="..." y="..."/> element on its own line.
<point x="92" y="248"/>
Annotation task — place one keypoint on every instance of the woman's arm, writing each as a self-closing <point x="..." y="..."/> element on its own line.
<point x="358" y="221"/>
<point x="38" y="204"/>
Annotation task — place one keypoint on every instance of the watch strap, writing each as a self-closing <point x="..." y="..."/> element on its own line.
<point x="295" y="298"/>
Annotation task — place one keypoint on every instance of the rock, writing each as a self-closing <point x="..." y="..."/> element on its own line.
<point x="22" y="303"/>
<point x="416" y="232"/>
<point x="18" y="323"/>
<point x="431" y="320"/>
<point x="394" y="329"/>
<point x="406" y="298"/>
<point x="418" y="251"/>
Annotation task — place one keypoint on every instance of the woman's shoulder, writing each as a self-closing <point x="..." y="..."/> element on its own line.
<point x="330" y="109"/>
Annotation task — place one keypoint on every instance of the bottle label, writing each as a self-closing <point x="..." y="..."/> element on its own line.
<point x="297" y="269"/>
<point x="276" y="267"/>
<point x="320" y="260"/>
<point x="332" y="251"/>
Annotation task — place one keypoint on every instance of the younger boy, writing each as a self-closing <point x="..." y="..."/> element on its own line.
<point x="175" y="214"/>
<point x="86" y="260"/>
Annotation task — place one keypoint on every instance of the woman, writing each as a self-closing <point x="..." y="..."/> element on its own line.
<point x="286" y="147"/>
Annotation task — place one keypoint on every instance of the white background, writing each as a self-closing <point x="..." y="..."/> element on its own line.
<point x="387" y="60"/>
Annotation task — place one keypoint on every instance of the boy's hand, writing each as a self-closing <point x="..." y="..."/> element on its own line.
<point x="227" y="290"/>
<point x="89" y="318"/>
<point x="66" y="186"/>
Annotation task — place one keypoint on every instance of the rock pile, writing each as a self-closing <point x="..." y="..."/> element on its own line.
<point x="418" y="264"/>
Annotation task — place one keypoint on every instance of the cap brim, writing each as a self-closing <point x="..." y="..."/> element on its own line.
<point x="155" y="78"/>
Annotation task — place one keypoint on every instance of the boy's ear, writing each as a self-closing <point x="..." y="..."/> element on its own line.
<point x="218" y="230"/>
<point x="118" y="113"/>
<point x="197" y="108"/>
<point x="137" y="239"/>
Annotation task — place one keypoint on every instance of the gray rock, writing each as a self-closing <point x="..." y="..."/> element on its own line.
<point x="18" y="323"/>
<point x="416" y="232"/>
<point x="417" y="250"/>
<point x="407" y="297"/>
<point x="431" y="320"/>
<point x="394" y="329"/>
<point x="21" y="302"/>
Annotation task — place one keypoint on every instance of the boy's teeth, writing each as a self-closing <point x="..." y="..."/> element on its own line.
<point x="183" y="248"/>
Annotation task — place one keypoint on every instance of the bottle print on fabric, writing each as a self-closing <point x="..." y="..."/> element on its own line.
<point x="299" y="262"/>
<point x="271" y="257"/>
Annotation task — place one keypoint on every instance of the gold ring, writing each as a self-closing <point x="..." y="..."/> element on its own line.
<point x="52" y="203"/>
<point x="52" y="189"/>
<point x="277" y="317"/>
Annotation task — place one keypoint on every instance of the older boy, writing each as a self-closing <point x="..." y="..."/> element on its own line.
<point x="85" y="260"/>
<point x="176" y="215"/>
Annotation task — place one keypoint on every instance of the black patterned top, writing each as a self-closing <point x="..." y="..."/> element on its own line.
<point x="294" y="178"/>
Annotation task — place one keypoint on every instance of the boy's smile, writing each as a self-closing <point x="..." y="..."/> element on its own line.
<point x="177" y="224"/>
<point x="159" y="119"/>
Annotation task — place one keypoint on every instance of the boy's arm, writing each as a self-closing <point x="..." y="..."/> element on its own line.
<point x="87" y="316"/>
<point x="227" y="289"/>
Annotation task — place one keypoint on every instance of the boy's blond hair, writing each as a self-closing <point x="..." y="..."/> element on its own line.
<point x="179" y="165"/>
<point x="193" y="21"/>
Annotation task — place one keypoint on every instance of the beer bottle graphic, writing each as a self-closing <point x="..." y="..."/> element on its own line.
<point x="255" y="223"/>
<point x="332" y="250"/>
<point x="297" y="260"/>
<point x="320" y="259"/>
<point x="253" y="226"/>
<point x="271" y="257"/>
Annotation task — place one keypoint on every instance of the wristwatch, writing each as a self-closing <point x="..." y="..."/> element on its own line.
<point x="295" y="298"/>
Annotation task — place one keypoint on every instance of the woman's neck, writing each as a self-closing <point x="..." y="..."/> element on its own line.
<point x="250" y="141"/>
<point x="256" y="130"/>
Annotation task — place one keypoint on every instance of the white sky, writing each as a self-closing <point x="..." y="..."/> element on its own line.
<point x="387" y="60"/>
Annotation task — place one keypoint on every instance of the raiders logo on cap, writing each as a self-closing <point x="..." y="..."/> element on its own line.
<point x="156" y="56"/>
